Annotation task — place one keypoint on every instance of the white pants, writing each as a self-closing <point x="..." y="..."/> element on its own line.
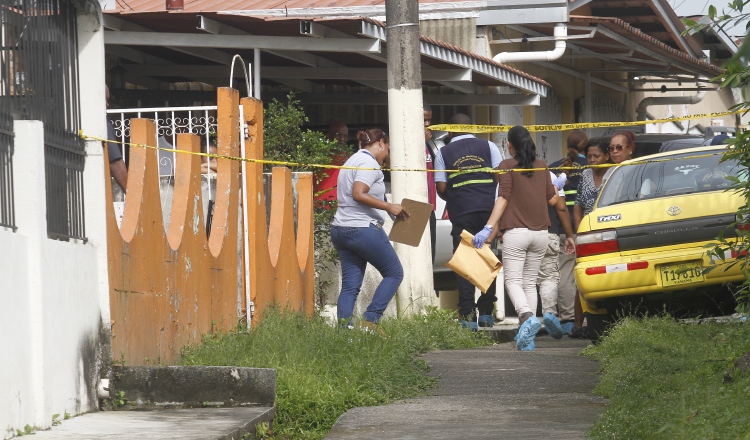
<point x="522" y="255"/>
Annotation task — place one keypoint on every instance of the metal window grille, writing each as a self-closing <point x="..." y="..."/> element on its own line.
<point x="40" y="69"/>
<point x="7" y="213"/>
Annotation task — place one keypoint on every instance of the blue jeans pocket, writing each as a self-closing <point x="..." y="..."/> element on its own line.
<point x="349" y="232"/>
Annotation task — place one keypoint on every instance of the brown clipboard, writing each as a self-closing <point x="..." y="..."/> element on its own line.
<point x="409" y="230"/>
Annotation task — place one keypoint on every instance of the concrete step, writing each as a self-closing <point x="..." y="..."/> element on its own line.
<point x="175" y="424"/>
<point x="503" y="333"/>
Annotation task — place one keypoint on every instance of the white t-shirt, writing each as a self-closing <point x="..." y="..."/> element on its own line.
<point x="350" y="212"/>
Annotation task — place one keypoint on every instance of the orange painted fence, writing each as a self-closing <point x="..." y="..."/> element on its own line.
<point x="167" y="289"/>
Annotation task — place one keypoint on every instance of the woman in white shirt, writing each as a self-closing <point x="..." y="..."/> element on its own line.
<point x="357" y="231"/>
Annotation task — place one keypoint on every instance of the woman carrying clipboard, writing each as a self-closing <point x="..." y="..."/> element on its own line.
<point x="357" y="230"/>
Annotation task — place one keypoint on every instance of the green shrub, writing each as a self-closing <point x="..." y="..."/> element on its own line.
<point x="285" y="140"/>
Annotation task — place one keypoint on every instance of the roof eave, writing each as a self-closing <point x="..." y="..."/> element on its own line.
<point x="459" y="57"/>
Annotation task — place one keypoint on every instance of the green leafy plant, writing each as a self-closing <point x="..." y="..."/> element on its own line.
<point x="67" y="416"/>
<point x="119" y="399"/>
<point x="120" y="362"/>
<point x="285" y="140"/>
<point x="27" y="430"/>
<point x="262" y="430"/>
<point x="735" y="75"/>
<point x="56" y="419"/>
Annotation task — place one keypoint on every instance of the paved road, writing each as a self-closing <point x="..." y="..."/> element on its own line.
<point x="491" y="393"/>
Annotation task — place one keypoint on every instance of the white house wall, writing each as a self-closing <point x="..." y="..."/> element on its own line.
<point x="15" y="339"/>
<point x="54" y="301"/>
<point x="51" y="321"/>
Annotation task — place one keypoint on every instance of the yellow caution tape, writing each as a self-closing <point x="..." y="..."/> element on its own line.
<point x="344" y="167"/>
<point x="472" y="128"/>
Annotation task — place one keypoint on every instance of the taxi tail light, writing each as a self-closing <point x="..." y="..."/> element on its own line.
<point x="594" y="243"/>
<point x="742" y="223"/>
<point x="736" y="254"/>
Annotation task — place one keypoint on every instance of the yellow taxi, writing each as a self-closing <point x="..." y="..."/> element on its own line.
<point x="650" y="226"/>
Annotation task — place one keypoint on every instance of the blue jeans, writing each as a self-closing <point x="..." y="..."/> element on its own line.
<point x="356" y="248"/>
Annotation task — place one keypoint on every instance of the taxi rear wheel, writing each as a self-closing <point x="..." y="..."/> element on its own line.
<point x="598" y="324"/>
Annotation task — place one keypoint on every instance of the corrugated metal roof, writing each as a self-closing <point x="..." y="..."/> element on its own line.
<point x="237" y="5"/>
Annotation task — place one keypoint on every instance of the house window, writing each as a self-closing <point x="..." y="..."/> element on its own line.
<point x="40" y="80"/>
<point x="7" y="213"/>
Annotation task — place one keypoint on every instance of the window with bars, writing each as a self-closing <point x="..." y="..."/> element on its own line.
<point x="7" y="213"/>
<point x="39" y="81"/>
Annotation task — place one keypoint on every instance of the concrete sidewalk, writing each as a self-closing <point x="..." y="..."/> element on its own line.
<point x="491" y="393"/>
<point x="175" y="424"/>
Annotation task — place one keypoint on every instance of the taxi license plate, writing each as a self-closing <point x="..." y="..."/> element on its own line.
<point x="678" y="274"/>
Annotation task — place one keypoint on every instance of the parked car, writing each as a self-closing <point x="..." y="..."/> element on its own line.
<point x="648" y="233"/>
<point x="647" y="144"/>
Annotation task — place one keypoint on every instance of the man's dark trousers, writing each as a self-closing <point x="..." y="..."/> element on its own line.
<point x="472" y="222"/>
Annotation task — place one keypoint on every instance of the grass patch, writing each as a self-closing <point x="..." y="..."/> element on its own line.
<point x="322" y="371"/>
<point x="665" y="379"/>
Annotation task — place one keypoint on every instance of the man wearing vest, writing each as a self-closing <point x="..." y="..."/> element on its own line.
<point x="469" y="189"/>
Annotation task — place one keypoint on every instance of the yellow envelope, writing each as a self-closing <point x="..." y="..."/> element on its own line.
<point x="479" y="266"/>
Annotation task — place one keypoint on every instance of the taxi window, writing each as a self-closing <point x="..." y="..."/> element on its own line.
<point x="684" y="174"/>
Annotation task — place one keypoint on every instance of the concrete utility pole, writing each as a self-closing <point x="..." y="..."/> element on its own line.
<point x="405" y="120"/>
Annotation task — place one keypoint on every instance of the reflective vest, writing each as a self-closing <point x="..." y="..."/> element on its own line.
<point x="472" y="187"/>
<point x="570" y="196"/>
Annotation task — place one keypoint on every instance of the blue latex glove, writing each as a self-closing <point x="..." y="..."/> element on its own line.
<point x="481" y="237"/>
<point x="559" y="182"/>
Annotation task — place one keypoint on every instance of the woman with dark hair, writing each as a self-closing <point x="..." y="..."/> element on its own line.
<point x="597" y="153"/>
<point x="520" y="214"/>
<point x="357" y="230"/>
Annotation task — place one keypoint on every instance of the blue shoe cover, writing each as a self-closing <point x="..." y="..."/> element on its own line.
<point x="552" y="325"/>
<point x="567" y="328"/>
<point x="469" y="325"/>
<point x="527" y="333"/>
<point x="529" y="347"/>
<point x="486" y="321"/>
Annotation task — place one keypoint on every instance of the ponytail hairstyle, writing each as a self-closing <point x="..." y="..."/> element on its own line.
<point x="525" y="148"/>
<point x="577" y="139"/>
<point x="570" y="157"/>
<point x="370" y="136"/>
